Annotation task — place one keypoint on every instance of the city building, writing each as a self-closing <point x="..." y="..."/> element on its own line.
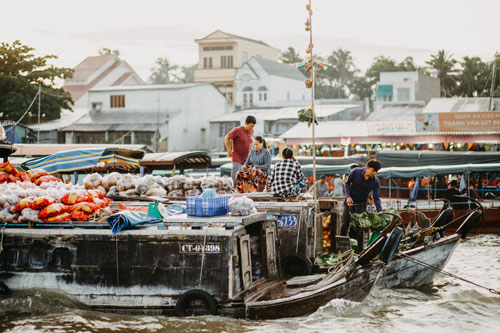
<point x="262" y="82"/>
<point x="220" y="56"/>
<point x="171" y="117"/>
<point x="406" y="88"/>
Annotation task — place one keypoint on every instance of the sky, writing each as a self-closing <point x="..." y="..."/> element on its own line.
<point x="147" y="29"/>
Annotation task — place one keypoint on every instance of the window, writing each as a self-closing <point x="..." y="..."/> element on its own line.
<point x="217" y="48"/>
<point x="262" y="93"/>
<point x="247" y="97"/>
<point x="403" y="94"/>
<point x="244" y="56"/>
<point x="203" y="135"/>
<point x="117" y="101"/>
<point x="226" y="61"/>
<point x="384" y="93"/>
<point x="96" y="106"/>
<point x="207" y="62"/>
<point x="229" y="97"/>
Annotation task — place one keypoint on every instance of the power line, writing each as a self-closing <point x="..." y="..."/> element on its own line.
<point x="29" y="107"/>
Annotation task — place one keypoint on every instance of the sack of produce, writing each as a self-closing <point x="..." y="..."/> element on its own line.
<point x="53" y="210"/>
<point x="7" y="216"/>
<point x="64" y="217"/>
<point x="87" y="207"/>
<point x="242" y="206"/>
<point x="76" y="196"/>
<point x="110" y="180"/>
<point x="25" y="203"/>
<point x="79" y="215"/>
<point x="34" y="174"/>
<point x="42" y="202"/>
<point x="125" y="183"/>
<point x="158" y="192"/>
<point x="92" y="181"/>
<point x="46" y="179"/>
<point x="29" y="215"/>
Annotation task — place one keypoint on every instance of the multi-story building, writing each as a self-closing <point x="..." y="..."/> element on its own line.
<point x="220" y="56"/>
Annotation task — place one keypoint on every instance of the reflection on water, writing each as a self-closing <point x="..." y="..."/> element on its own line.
<point x="446" y="306"/>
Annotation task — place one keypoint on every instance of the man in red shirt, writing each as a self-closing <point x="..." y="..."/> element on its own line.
<point x="242" y="138"/>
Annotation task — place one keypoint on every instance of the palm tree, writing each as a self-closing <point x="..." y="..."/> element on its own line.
<point x="162" y="73"/>
<point x="473" y="78"/>
<point x="341" y="70"/>
<point x="444" y="64"/>
<point x="290" y="56"/>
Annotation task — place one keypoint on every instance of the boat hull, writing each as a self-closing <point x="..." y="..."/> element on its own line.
<point x="403" y="272"/>
<point x="305" y="303"/>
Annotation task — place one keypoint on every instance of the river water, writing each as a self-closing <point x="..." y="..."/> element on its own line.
<point x="448" y="305"/>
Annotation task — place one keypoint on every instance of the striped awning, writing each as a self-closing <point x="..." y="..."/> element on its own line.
<point x="81" y="159"/>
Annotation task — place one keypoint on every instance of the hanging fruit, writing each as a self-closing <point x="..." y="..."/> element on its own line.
<point x="309" y="83"/>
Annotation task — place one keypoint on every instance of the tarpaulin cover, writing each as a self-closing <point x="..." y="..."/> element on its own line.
<point x="127" y="219"/>
<point x="396" y="158"/>
<point x="433" y="170"/>
<point x="80" y="159"/>
<point x="328" y="170"/>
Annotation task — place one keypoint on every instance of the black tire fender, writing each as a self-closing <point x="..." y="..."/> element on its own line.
<point x="296" y="264"/>
<point x="469" y="223"/>
<point x="372" y="251"/>
<point x="443" y="218"/>
<point x="391" y="245"/>
<point x="195" y="294"/>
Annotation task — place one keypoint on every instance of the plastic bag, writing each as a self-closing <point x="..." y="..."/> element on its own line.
<point x="87" y="207"/>
<point x="92" y="180"/>
<point x="76" y="196"/>
<point x="110" y="180"/>
<point x="242" y="206"/>
<point x="34" y="174"/>
<point x="24" y="203"/>
<point x="79" y="215"/>
<point x="29" y="215"/>
<point x="125" y="183"/>
<point x="46" y="179"/>
<point x="64" y="217"/>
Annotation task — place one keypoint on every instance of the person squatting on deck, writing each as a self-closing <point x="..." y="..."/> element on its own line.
<point x="242" y="137"/>
<point x="359" y="184"/>
<point x="286" y="178"/>
<point x="253" y="174"/>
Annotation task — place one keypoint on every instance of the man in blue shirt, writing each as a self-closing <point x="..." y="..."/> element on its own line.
<point x="359" y="184"/>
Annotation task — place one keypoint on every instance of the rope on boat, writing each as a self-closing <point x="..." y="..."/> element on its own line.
<point x="116" y="253"/>
<point x="1" y="239"/>
<point x="491" y="290"/>
<point x="203" y="254"/>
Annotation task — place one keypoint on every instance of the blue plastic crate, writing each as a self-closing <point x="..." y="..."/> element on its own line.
<point x="198" y="206"/>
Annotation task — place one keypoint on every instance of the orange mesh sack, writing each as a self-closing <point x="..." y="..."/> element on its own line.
<point x="4" y="177"/>
<point x="42" y="202"/>
<point x="53" y="210"/>
<point x="23" y="177"/>
<point x="97" y="193"/>
<point x="8" y="168"/>
<point x="64" y="217"/>
<point x="102" y="202"/>
<point x="79" y="215"/>
<point x="87" y="207"/>
<point x="25" y="203"/>
<point x="46" y="179"/>
<point x="36" y="173"/>
<point x="73" y="197"/>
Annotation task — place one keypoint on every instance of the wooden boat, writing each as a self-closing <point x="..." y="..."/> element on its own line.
<point x="429" y="251"/>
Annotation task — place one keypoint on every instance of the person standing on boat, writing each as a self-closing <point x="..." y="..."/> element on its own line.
<point x="322" y="187"/>
<point x="242" y="138"/>
<point x="255" y="170"/>
<point x="359" y="184"/>
<point x="286" y="178"/>
<point x="338" y="186"/>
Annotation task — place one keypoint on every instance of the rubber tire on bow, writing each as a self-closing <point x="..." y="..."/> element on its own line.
<point x="196" y="294"/>
<point x="296" y="264"/>
<point x="469" y="223"/>
<point x="391" y="245"/>
<point x="372" y="251"/>
<point x="443" y="218"/>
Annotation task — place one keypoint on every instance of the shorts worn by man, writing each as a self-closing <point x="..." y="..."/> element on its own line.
<point x="242" y="138"/>
<point x="359" y="184"/>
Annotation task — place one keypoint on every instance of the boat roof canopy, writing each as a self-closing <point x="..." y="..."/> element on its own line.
<point x="405" y="158"/>
<point x="179" y="160"/>
<point x="433" y="170"/>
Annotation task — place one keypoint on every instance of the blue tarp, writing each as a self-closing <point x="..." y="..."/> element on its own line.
<point x="80" y="159"/>
<point x="127" y="219"/>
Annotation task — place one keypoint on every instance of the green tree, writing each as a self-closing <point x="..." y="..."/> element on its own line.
<point x="108" y="51"/>
<point x="186" y="75"/>
<point x="21" y="72"/>
<point x="380" y="64"/>
<point x="408" y="65"/>
<point x="473" y="78"/>
<point x="290" y="56"/>
<point x="163" y="73"/>
<point x="445" y="66"/>
<point x="360" y="88"/>
<point x="340" y="71"/>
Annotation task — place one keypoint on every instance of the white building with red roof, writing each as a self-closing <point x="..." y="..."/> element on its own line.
<point x="96" y="72"/>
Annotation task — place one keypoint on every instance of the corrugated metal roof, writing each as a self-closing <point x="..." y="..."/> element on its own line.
<point x="279" y="69"/>
<point x="396" y="112"/>
<point x="283" y="113"/>
<point x="89" y="65"/>
<point x="67" y="118"/>
<point x="150" y="87"/>
<point x="459" y="104"/>
<point x="110" y="127"/>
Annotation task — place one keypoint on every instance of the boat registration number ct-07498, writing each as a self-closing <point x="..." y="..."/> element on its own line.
<point x="198" y="248"/>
